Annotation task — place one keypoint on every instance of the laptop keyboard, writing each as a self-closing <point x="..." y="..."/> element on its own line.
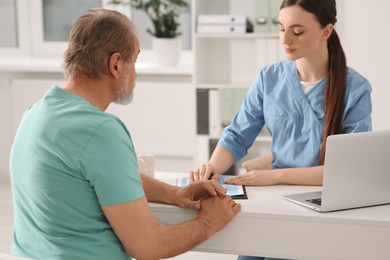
<point x="315" y="201"/>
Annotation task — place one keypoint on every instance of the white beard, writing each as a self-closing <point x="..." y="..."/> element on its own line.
<point x="124" y="96"/>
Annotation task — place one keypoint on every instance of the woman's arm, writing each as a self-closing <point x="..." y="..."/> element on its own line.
<point x="293" y="176"/>
<point x="220" y="161"/>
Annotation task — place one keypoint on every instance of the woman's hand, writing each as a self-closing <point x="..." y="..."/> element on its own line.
<point x="256" y="178"/>
<point x="203" y="172"/>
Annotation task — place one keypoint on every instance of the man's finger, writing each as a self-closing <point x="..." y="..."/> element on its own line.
<point x="197" y="205"/>
<point x="236" y="207"/>
<point x="220" y="190"/>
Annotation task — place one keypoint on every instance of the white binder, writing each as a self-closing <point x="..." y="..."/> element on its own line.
<point x="221" y="19"/>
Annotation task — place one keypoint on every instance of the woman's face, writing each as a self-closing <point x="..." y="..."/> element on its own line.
<point x="301" y="34"/>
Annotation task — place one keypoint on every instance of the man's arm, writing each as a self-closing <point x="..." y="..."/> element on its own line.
<point x="143" y="237"/>
<point x="187" y="197"/>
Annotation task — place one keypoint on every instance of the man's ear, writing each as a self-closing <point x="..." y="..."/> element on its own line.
<point x="327" y="31"/>
<point x="114" y="63"/>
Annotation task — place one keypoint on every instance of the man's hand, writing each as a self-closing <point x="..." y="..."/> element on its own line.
<point x="191" y="195"/>
<point x="217" y="212"/>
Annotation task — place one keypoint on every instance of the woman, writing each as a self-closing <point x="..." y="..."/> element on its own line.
<point x="302" y="100"/>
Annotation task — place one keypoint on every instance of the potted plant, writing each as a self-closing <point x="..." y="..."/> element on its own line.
<point x="164" y="16"/>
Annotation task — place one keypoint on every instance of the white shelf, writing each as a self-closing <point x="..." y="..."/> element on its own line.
<point x="237" y="35"/>
<point x="225" y="65"/>
<point x="46" y="65"/>
<point x="30" y="65"/>
<point x="243" y="85"/>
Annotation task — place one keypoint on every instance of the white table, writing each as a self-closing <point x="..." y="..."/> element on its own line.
<point x="270" y="226"/>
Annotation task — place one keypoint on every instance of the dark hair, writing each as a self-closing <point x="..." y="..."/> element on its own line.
<point x="94" y="37"/>
<point x="325" y="11"/>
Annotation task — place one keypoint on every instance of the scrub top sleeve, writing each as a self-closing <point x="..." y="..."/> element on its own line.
<point x="359" y="109"/>
<point x="109" y="163"/>
<point x="246" y="125"/>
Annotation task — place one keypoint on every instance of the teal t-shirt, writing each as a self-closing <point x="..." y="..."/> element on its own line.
<point x="69" y="158"/>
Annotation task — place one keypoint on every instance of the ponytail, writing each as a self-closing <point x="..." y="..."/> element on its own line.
<point x="334" y="92"/>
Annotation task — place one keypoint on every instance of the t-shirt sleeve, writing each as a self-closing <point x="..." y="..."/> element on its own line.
<point x="109" y="163"/>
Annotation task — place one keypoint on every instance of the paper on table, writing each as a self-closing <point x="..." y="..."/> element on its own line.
<point x="232" y="190"/>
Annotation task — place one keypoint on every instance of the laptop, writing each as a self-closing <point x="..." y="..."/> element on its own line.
<point x="356" y="173"/>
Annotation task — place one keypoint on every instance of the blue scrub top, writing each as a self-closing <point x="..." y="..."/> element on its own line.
<point x="294" y="119"/>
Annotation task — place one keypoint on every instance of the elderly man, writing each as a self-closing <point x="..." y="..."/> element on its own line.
<point x="77" y="190"/>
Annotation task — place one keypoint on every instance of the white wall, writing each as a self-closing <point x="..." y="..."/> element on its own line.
<point x="6" y="128"/>
<point x="362" y="26"/>
<point x="363" y="29"/>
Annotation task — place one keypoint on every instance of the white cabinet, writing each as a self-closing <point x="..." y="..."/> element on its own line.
<point x="161" y="118"/>
<point x="225" y="64"/>
<point x="17" y="94"/>
<point x="25" y="92"/>
<point x="161" y="121"/>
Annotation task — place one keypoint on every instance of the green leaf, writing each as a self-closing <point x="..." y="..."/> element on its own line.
<point x="164" y="15"/>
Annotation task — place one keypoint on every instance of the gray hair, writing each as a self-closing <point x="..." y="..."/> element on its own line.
<point x="94" y="37"/>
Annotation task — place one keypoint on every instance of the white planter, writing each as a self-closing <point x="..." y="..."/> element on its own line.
<point x="167" y="51"/>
